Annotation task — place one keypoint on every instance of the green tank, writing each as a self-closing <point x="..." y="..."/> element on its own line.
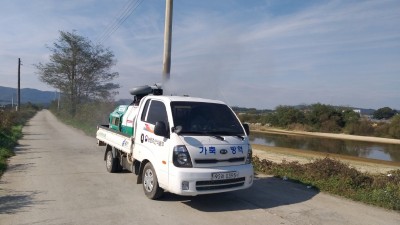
<point x="115" y="122"/>
<point x="117" y="115"/>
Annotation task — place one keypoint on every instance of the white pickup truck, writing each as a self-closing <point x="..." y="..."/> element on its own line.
<point x="179" y="144"/>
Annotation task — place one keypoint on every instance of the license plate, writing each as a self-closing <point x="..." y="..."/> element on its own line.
<point x="224" y="175"/>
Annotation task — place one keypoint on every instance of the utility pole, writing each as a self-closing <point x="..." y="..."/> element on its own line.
<point x="19" y="84"/>
<point x="58" y="101"/>
<point x="167" y="40"/>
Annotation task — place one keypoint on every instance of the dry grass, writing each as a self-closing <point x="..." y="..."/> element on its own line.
<point x="336" y="177"/>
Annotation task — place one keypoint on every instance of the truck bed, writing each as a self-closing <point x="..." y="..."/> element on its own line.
<point x="116" y="139"/>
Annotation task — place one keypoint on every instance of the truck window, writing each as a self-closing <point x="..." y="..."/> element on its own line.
<point x="144" y="113"/>
<point x="157" y="112"/>
<point x="203" y="118"/>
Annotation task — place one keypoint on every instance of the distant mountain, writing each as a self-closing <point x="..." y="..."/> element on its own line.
<point x="27" y="95"/>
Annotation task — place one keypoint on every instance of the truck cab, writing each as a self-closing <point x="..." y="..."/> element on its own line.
<point x="198" y="146"/>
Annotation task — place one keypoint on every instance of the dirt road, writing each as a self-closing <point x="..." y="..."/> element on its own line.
<point x="58" y="177"/>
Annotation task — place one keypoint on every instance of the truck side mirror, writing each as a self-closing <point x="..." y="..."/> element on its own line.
<point x="246" y="128"/>
<point x="160" y="129"/>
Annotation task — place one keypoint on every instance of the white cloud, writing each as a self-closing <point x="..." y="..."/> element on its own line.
<point x="243" y="53"/>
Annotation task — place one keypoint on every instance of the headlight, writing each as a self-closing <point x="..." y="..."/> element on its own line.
<point x="249" y="155"/>
<point x="181" y="157"/>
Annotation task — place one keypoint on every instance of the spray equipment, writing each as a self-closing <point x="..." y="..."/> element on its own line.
<point x="118" y="119"/>
<point x="141" y="91"/>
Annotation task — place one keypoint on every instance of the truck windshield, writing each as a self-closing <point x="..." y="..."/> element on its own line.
<point x="201" y="118"/>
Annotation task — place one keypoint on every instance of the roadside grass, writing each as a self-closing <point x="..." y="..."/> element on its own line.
<point x="11" y="124"/>
<point x="8" y="140"/>
<point x="335" y="177"/>
<point x="87" y="117"/>
<point x="88" y="127"/>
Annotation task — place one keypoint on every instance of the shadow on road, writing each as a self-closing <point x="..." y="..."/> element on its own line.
<point x="26" y="149"/>
<point x="20" y="167"/>
<point x="18" y="201"/>
<point x="267" y="192"/>
<point x="34" y="136"/>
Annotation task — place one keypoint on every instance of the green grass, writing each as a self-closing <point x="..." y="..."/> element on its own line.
<point x="86" y="127"/>
<point x="11" y="124"/>
<point x="87" y="116"/>
<point x="8" y="140"/>
<point x="4" y="155"/>
<point x="335" y="177"/>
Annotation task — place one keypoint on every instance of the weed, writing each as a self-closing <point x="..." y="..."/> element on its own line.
<point x="11" y="123"/>
<point x="335" y="177"/>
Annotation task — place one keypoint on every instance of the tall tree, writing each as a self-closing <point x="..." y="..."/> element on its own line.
<point x="80" y="69"/>
<point x="288" y="115"/>
<point x="384" y="113"/>
<point x="325" y="118"/>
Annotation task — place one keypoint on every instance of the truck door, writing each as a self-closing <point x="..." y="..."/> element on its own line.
<point x="153" y="147"/>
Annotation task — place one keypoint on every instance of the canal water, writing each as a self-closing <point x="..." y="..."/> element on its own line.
<point x="388" y="152"/>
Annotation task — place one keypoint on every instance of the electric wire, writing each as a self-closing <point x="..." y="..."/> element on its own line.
<point x="124" y="14"/>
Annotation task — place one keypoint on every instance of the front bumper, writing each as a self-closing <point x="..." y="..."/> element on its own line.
<point x="197" y="181"/>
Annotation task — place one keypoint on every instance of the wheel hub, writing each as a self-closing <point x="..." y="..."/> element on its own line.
<point x="148" y="180"/>
<point x="109" y="161"/>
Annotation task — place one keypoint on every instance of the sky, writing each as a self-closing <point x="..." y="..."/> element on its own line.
<point x="258" y="53"/>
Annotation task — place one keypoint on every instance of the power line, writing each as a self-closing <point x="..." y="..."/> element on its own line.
<point x="115" y="23"/>
<point x="124" y="14"/>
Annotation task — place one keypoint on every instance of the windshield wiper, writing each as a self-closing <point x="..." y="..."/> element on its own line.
<point x="218" y="137"/>
<point x="215" y="134"/>
<point x="227" y="133"/>
<point x="239" y="136"/>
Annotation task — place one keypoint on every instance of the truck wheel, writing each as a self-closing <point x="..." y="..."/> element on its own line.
<point x="150" y="182"/>
<point x="112" y="164"/>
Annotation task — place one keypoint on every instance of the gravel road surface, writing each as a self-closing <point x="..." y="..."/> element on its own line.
<point x="58" y="176"/>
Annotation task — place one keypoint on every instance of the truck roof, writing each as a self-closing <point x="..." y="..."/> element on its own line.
<point x="172" y="98"/>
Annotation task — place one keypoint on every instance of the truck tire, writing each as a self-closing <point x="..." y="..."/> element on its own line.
<point x="112" y="164"/>
<point x="150" y="182"/>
